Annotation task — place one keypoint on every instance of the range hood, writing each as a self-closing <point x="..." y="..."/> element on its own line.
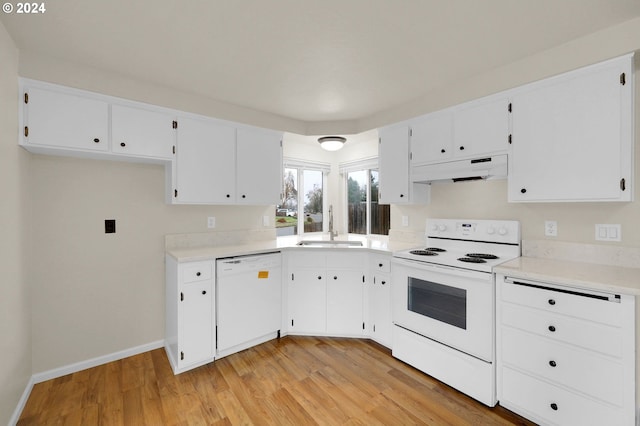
<point x="488" y="167"/>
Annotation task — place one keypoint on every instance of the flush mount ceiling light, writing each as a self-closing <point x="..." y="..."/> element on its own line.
<point x="332" y="143"/>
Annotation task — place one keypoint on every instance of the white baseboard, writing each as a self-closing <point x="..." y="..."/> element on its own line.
<point x="22" y="402"/>
<point x="74" y="368"/>
<point x="94" y="362"/>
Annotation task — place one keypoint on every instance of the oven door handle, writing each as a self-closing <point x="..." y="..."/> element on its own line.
<point x="440" y="268"/>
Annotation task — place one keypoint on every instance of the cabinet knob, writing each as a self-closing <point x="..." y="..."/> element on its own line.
<point x="197" y="274"/>
<point x="443" y="150"/>
<point x="554" y="406"/>
<point x="379" y="265"/>
<point x="552" y="328"/>
<point x="523" y="190"/>
<point x="96" y="140"/>
<point x="228" y="195"/>
<point x="123" y="144"/>
<point x="319" y="277"/>
<point x="204" y="291"/>
<point x="383" y="282"/>
<point x="462" y="148"/>
<point x="244" y="196"/>
<point x="401" y="195"/>
<point x="552" y="302"/>
<point x="335" y="278"/>
<point x="552" y="363"/>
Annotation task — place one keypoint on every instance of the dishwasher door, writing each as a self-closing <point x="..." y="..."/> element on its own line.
<point x="249" y="299"/>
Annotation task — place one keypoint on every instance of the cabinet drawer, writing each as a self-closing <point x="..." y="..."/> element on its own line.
<point x="196" y="272"/>
<point x="573" y="302"/>
<point x="534" y="399"/>
<point x="575" y="368"/>
<point x="311" y="259"/>
<point x="345" y="260"/>
<point x="381" y="264"/>
<point x="586" y="334"/>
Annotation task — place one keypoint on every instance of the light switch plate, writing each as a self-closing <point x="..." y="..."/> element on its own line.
<point x="405" y="220"/>
<point x="211" y="222"/>
<point x="265" y="220"/>
<point x="608" y="232"/>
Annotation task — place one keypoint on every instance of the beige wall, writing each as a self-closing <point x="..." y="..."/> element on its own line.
<point x="96" y="293"/>
<point x="15" y="309"/>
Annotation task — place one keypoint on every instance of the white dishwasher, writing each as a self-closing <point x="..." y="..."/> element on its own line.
<point x="249" y="301"/>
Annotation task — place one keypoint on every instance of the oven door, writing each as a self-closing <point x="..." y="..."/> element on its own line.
<point x="452" y="306"/>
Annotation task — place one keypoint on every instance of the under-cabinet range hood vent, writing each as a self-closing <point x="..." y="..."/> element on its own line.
<point x="492" y="167"/>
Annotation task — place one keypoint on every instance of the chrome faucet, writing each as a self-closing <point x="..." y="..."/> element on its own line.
<point x="332" y="233"/>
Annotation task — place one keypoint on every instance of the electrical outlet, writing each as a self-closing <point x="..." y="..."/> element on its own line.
<point x="608" y="232"/>
<point x="550" y="228"/>
<point x="405" y="220"/>
<point x="211" y="222"/>
<point x="265" y="220"/>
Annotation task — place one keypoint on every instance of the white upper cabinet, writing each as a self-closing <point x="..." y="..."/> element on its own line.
<point x="259" y="166"/>
<point x="481" y="127"/>
<point x="55" y="119"/>
<point x="140" y="132"/>
<point x="469" y="130"/>
<point x="432" y="138"/>
<point x="393" y="157"/>
<point x="573" y="136"/>
<point x="205" y="162"/>
<point x="217" y="163"/>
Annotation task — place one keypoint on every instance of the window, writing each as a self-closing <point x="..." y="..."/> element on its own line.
<point x="364" y="214"/>
<point x="301" y="208"/>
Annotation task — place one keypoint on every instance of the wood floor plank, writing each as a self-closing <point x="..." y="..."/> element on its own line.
<point x="290" y="381"/>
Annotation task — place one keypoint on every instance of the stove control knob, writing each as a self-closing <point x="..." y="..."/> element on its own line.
<point x="502" y="231"/>
<point x="491" y="230"/>
<point x="442" y="228"/>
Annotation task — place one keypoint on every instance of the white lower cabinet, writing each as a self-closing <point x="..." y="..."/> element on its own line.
<point x="379" y="322"/>
<point x="566" y="356"/>
<point x="325" y="293"/>
<point x="190" y="313"/>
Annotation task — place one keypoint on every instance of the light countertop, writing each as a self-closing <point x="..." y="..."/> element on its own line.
<point x="575" y="274"/>
<point x="374" y="244"/>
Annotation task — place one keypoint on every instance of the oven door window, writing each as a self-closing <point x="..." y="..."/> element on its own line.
<point x="440" y="302"/>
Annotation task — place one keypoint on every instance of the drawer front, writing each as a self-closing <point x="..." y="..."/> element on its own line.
<point x="536" y="399"/>
<point x="197" y="271"/>
<point x="381" y="264"/>
<point x="586" y="334"/>
<point x="345" y="260"/>
<point x="309" y="259"/>
<point x="578" y="306"/>
<point x="576" y="368"/>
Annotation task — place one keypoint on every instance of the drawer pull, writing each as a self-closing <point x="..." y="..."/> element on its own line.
<point x="379" y="265"/>
<point x="552" y="328"/>
<point x="197" y="274"/>
<point x="552" y="302"/>
<point x="554" y="406"/>
<point x="384" y="282"/>
<point x="204" y="291"/>
<point x="319" y="277"/>
<point x="552" y="363"/>
<point x="335" y="278"/>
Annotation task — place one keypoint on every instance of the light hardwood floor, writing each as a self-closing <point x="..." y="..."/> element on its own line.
<point x="290" y="381"/>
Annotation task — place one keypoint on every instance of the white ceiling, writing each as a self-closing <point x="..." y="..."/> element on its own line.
<point x="308" y="60"/>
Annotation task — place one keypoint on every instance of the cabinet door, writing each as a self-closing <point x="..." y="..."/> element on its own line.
<point x="307" y="301"/>
<point x="572" y="137"/>
<point x="205" y="162"/>
<point x="259" y="171"/>
<point x="481" y="127"/>
<point x="393" y="157"/>
<point x="140" y="132"/>
<point x="432" y="138"/>
<point x="382" y="326"/>
<point x="345" y="314"/>
<point x="195" y="318"/>
<point x="63" y="120"/>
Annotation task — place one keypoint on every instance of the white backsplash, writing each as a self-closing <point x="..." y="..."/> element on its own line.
<point x="578" y="252"/>
<point x="220" y="238"/>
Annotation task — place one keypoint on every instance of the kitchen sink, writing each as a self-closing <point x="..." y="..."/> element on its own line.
<point x="329" y="243"/>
